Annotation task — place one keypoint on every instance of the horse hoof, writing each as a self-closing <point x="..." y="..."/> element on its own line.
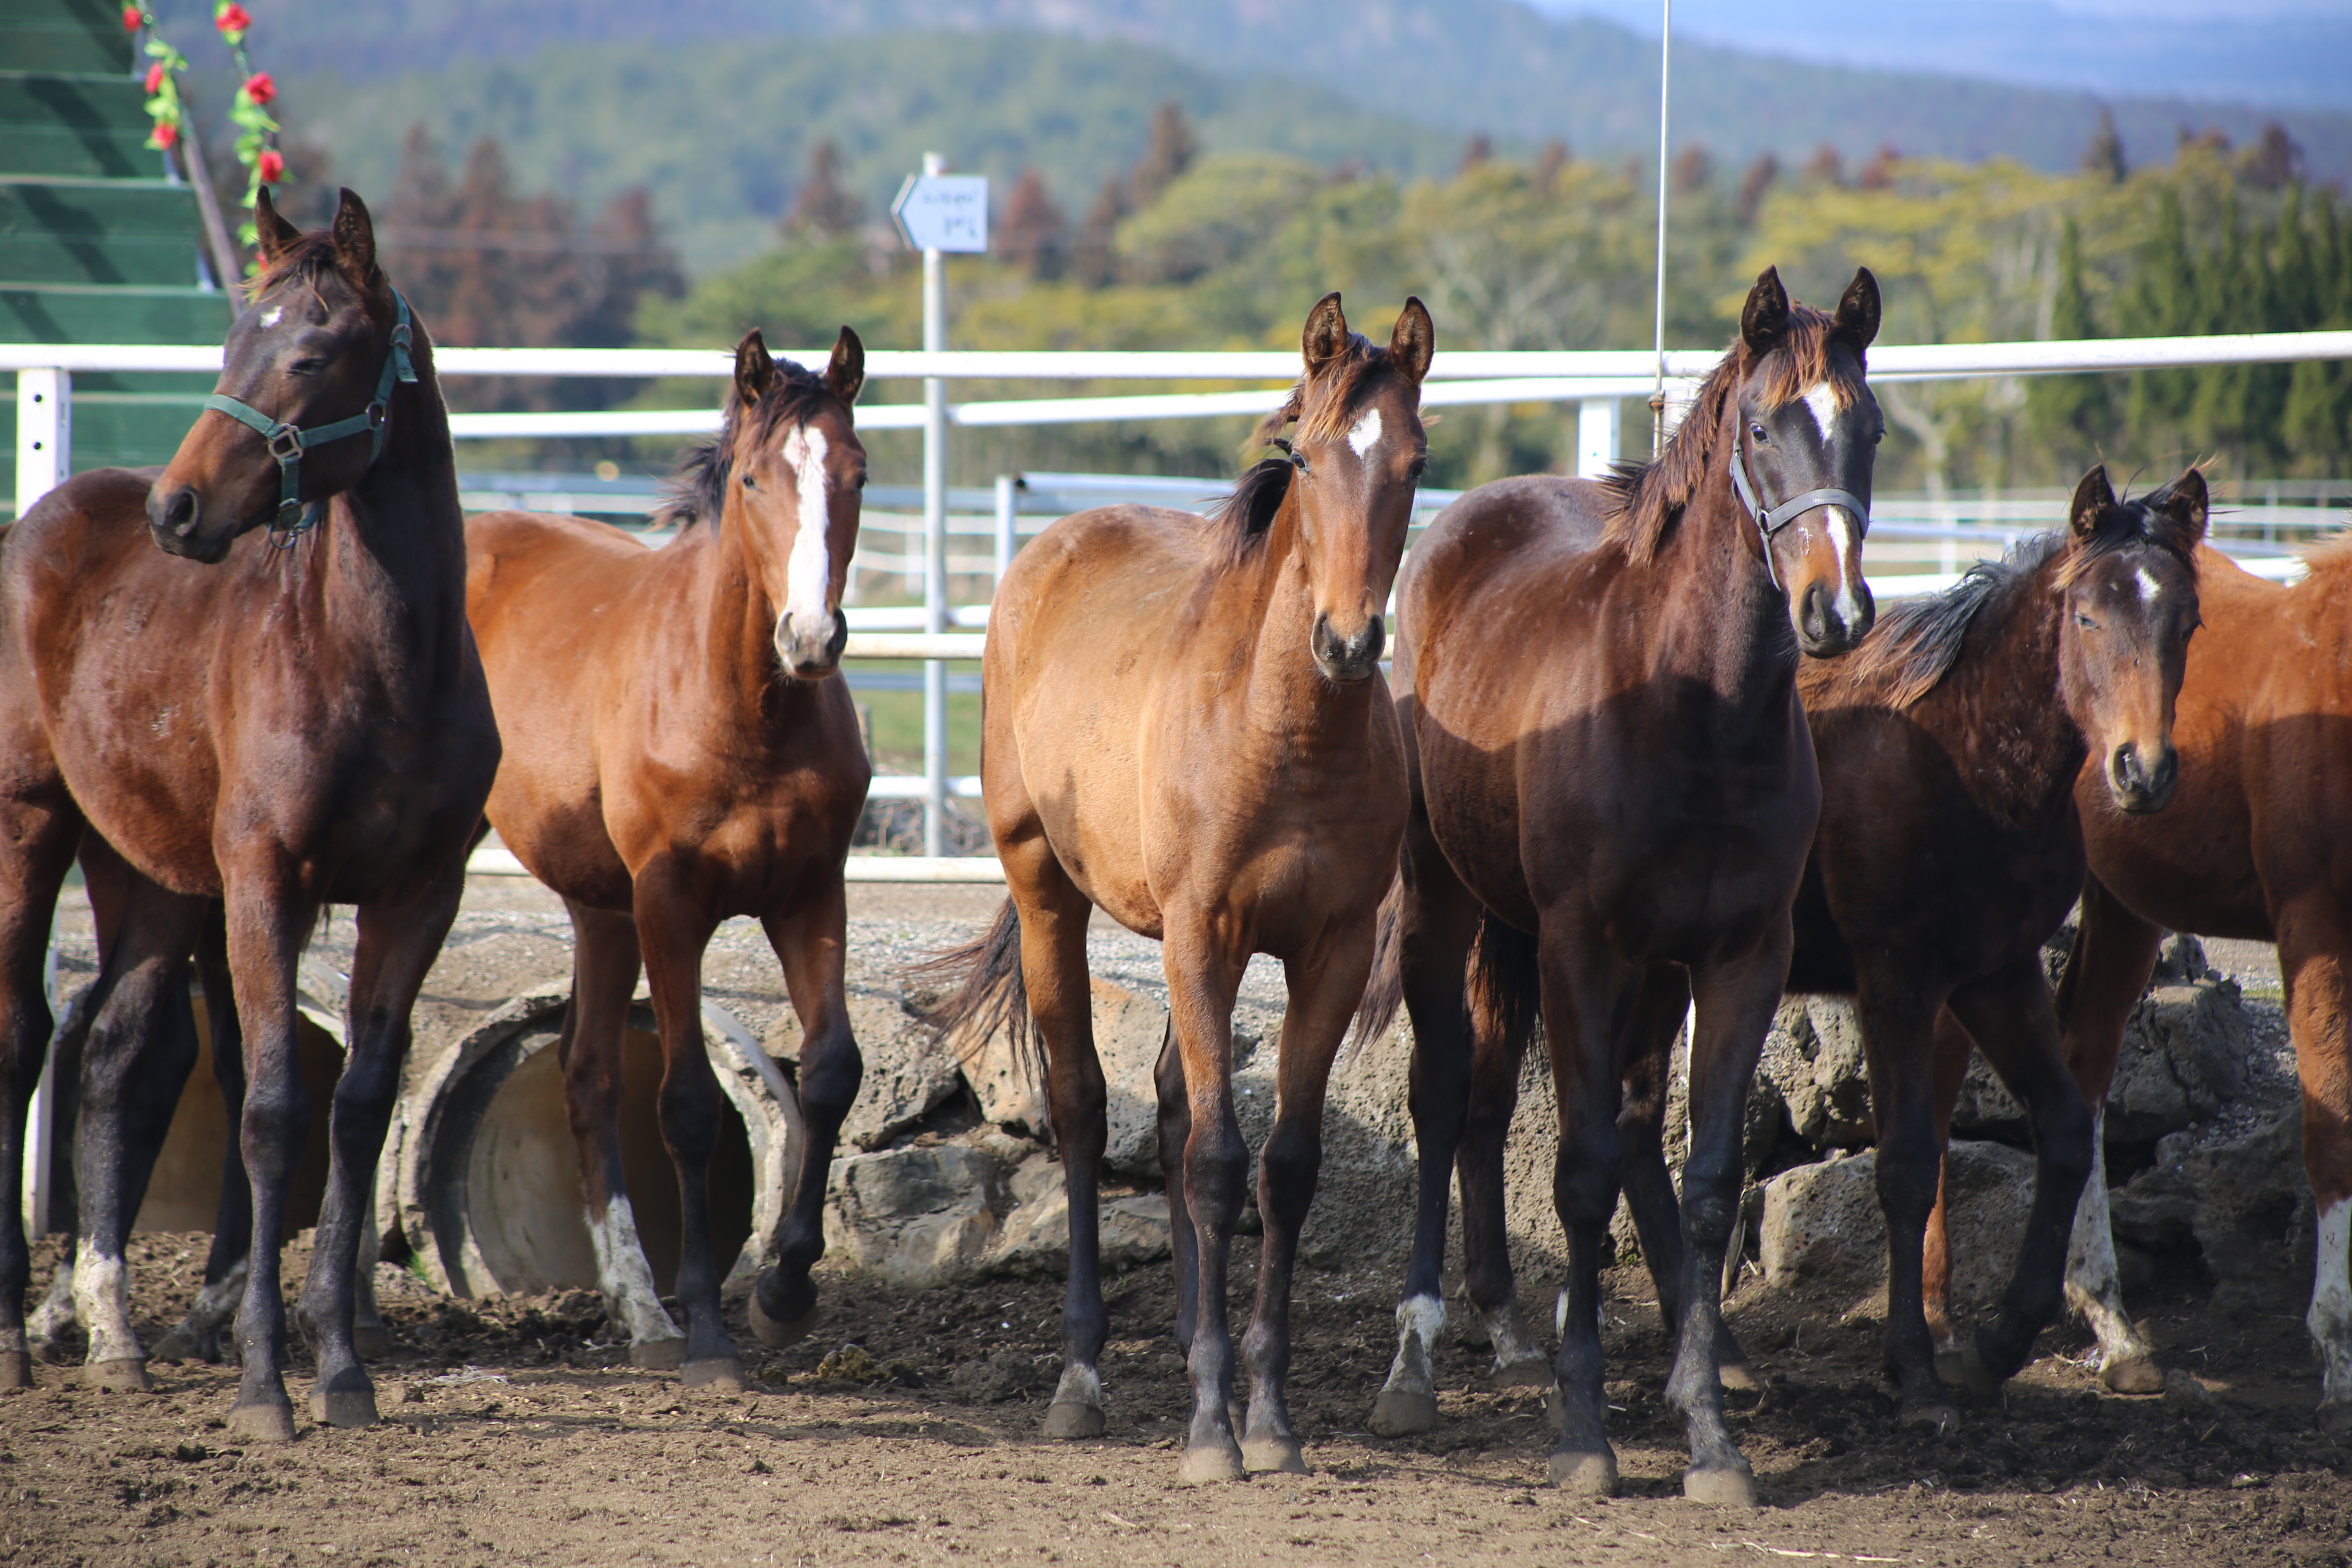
<point x="1398" y="1413"/>
<point x="2334" y="1418"/>
<point x="16" y="1371"/>
<point x="342" y="1407"/>
<point x="1277" y="1455"/>
<point x="2133" y="1375"/>
<point x="371" y="1341"/>
<point x="262" y="1423"/>
<point x="1069" y="1419"/>
<point x="127" y="1374"/>
<point x="1738" y="1374"/>
<point x="1208" y="1466"/>
<point x="658" y="1355"/>
<point x="1934" y="1413"/>
<point x="1527" y="1372"/>
<point x="722" y="1374"/>
<point x="1724" y="1488"/>
<point x="1977" y="1377"/>
<point x="776" y="1334"/>
<point x="171" y="1349"/>
<point x="1585" y="1474"/>
<point x="1950" y="1364"/>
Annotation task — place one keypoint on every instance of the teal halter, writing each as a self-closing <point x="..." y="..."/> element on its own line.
<point x="289" y="442"/>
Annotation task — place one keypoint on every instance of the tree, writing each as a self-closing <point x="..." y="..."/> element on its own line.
<point x="823" y="207"/>
<point x="1097" y="258"/>
<point x="1692" y="170"/>
<point x="1035" y="234"/>
<point x="2103" y="158"/>
<point x="1549" y="163"/>
<point x="1755" y="183"/>
<point x="1480" y="150"/>
<point x="2072" y="411"/>
<point x="1825" y="167"/>
<point x="1167" y="154"/>
<point x="2273" y="160"/>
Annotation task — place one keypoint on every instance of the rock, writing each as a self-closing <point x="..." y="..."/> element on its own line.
<point x="915" y="1216"/>
<point x="1007" y="1374"/>
<point x="908" y="1072"/>
<point x="2183" y="1392"/>
<point x="1128" y="1030"/>
<point x="1035" y="1237"/>
<point x="1812" y="1064"/>
<point x="2184" y="1059"/>
<point x="1823" y="1220"/>
<point x="2237" y="1188"/>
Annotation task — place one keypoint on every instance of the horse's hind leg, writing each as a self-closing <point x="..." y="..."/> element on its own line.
<point x="55" y="1319"/>
<point x="605" y="964"/>
<point x="2316" y="957"/>
<point x="2016" y="1025"/>
<point x="1953" y="1046"/>
<point x="38" y="831"/>
<point x="199" y="1334"/>
<point x="811" y="942"/>
<point x="1502" y="961"/>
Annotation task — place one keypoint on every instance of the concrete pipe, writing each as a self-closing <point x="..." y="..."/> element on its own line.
<point x="482" y="1176"/>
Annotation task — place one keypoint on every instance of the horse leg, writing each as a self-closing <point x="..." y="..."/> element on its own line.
<point x="811" y="941"/>
<point x="53" y="1319"/>
<point x="1499" y="1037"/>
<point x="38" y="831"/>
<point x="2114" y="953"/>
<point x="1202" y="981"/>
<point x="1952" y="1047"/>
<point x="673" y="930"/>
<point x="1173" y="1129"/>
<point x="398" y="938"/>
<point x="2015" y="1023"/>
<point x="1734" y="998"/>
<point x="199" y="1334"/>
<point x="1898" y="1012"/>
<point x="1583" y="987"/>
<point x="605" y="964"/>
<point x="141" y="1048"/>
<point x="1436" y="921"/>
<point x="2314" y="949"/>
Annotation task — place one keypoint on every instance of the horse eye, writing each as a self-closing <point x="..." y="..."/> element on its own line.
<point x="1299" y="461"/>
<point x="1420" y="466"/>
<point x="1756" y="431"/>
<point x="306" y="367"/>
<point x="749" y="483"/>
<point x="860" y="483"/>
<point x="1878" y="434"/>
<point x="2083" y="620"/>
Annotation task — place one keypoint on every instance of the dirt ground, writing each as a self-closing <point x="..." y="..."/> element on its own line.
<point x="904" y="1429"/>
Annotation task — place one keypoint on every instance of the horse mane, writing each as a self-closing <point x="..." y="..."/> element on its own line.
<point x="1320" y="405"/>
<point x="697" y="487"/>
<point x="1243" y="517"/>
<point x="1915" y="645"/>
<point x="307" y="256"/>
<point x="1647" y="497"/>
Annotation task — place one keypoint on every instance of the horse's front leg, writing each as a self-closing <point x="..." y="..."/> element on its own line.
<point x="1897" y="1009"/>
<point x="811" y="941"/>
<point x="1204" y="977"/>
<point x="2316" y="957"/>
<point x="38" y="831"/>
<point x="673" y="929"/>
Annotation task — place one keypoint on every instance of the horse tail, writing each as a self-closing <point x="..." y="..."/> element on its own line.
<point x="1504" y="983"/>
<point x="1384" y="989"/>
<point x="987" y="993"/>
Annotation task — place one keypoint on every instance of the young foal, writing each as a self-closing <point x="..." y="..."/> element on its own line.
<point x="678" y="756"/>
<point x="277" y="726"/>
<point x="1949" y="850"/>
<point x="2253" y="846"/>
<point x="1614" y="794"/>
<point x="1187" y="728"/>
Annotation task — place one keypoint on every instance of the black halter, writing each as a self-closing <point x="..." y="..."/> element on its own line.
<point x="289" y="442"/>
<point x="1772" y="519"/>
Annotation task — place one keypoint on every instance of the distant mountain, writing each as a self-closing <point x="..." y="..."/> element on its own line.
<point x="1461" y="64"/>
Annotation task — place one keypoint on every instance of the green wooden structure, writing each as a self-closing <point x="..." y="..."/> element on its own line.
<point x="99" y="243"/>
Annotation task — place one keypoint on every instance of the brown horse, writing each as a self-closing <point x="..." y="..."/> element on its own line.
<point x="281" y="708"/>
<point x="676" y="755"/>
<point x="2256" y="845"/>
<point x="1614" y="794"/>
<point x="1187" y="728"/>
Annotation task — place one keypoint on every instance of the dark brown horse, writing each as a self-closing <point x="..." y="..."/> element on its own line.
<point x="2256" y="845"/>
<point x="281" y="708"/>
<point x="1187" y="729"/>
<point x="1614" y="794"/>
<point x="676" y="754"/>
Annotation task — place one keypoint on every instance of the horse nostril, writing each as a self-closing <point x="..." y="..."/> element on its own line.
<point x="180" y="513"/>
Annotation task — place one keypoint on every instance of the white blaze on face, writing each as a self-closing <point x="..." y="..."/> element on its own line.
<point x="1367" y="433"/>
<point x="1839" y="524"/>
<point x="2330" y="1319"/>
<point x="2148" y="586"/>
<point x="1823" y="400"/>
<point x="271" y="318"/>
<point x="808" y="573"/>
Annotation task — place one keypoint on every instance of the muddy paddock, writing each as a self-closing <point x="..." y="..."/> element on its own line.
<point x="903" y="1428"/>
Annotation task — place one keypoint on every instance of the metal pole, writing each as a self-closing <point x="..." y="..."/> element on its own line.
<point x="935" y="542"/>
<point x="44" y="434"/>
<point x="1008" y="519"/>
<point x="1596" y="436"/>
<point x="1658" y="396"/>
<point x="40" y="1120"/>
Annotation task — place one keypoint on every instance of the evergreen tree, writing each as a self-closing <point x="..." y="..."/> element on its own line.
<point x="2072" y="411"/>
<point x="1167" y="153"/>
<point x="2105" y="157"/>
<point x="1034" y="234"/>
<point x="824" y="207"/>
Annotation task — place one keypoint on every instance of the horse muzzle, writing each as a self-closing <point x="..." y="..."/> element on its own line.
<point x="1348" y="660"/>
<point x="811" y="651"/>
<point x="1831" y="623"/>
<point x="175" y="518"/>
<point x="2139" y="786"/>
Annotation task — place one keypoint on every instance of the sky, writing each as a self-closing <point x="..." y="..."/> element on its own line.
<point x="2285" y="53"/>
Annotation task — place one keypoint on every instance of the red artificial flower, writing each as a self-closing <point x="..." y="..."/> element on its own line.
<point x="131" y="20"/>
<point x="261" y="87"/>
<point x="155" y="79"/>
<point x="271" y="166"/>
<point x="233" y="18"/>
<point x="165" y="134"/>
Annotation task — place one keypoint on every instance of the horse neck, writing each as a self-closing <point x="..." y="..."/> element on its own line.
<point x="2007" y="713"/>
<point x="1287" y="695"/>
<point x="1723" y="625"/>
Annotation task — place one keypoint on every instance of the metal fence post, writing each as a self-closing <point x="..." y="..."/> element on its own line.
<point x="39" y="1121"/>
<point x="44" y="434"/>
<point x="1596" y="436"/>
<point x="935" y="542"/>
<point x="1008" y="521"/>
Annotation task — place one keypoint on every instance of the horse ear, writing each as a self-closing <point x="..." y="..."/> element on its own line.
<point x="1326" y="337"/>
<point x="2094" y="499"/>
<point x="1414" y="342"/>
<point x="356" y="237"/>
<point x="1766" y="315"/>
<point x="846" y="373"/>
<point x="1858" y="311"/>
<point x="2185" y="502"/>
<point x="274" y="232"/>
<point x="755" y="370"/>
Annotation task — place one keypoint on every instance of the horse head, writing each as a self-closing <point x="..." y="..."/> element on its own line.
<point x="303" y="403"/>
<point x="2129" y="581"/>
<point x="798" y="471"/>
<point x="1805" y="431"/>
<point x="1358" y="454"/>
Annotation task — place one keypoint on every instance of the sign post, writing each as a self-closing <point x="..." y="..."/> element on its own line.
<point x="938" y="213"/>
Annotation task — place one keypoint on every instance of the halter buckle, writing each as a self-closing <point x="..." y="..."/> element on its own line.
<point x="286" y="443"/>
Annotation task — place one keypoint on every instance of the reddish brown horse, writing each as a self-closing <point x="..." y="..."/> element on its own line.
<point x="1187" y="728"/>
<point x="281" y="708"/>
<point x="2256" y="845"/>
<point x="675" y="755"/>
<point x="1614" y="794"/>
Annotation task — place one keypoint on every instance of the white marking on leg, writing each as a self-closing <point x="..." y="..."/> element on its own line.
<point x="1079" y="1385"/>
<point x="2330" y="1317"/>
<point x="1367" y="433"/>
<point x="1823" y="400"/>
<point x="102" y="1298"/>
<point x="1513" y="1343"/>
<point x="808" y="571"/>
<point x="626" y="1278"/>
<point x="55" y="1314"/>
<point x="1420" y="1320"/>
<point x="2094" y="1288"/>
<point x="2148" y="586"/>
